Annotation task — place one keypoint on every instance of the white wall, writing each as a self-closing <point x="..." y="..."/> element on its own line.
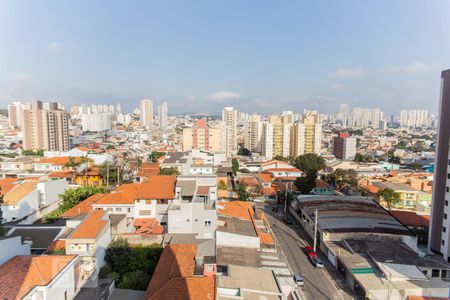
<point x="236" y="240"/>
<point x="190" y="218"/>
<point x="11" y="247"/>
<point x="102" y="243"/>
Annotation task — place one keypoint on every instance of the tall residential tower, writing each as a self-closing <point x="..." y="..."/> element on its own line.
<point x="439" y="237"/>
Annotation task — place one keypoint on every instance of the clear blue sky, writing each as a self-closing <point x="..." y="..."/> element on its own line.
<point x="199" y="56"/>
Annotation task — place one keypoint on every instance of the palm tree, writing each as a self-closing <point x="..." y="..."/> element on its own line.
<point x="390" y="196"/>
<point x="73" y="165"/>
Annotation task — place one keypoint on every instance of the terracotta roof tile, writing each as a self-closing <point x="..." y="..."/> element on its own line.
<point x="125" y="194"/>
<point x="157" y="187"/>
<point x="235" y="209"/>
<point x="84" y="207"/>
<point x="411" y="218"/>
<point x="6" y="185"/>
<point x="58" y="160"/>
<point x="61" y="174"/>
<point x="148" y="226"/>
<point x="20" y="274"/>
<point x="57" y="245"/>
<point x="266" y="178"/>
<point x="19" y="191"/>
<point x="91" y="227"/>
<point x="203" y="190"/>
<point x="173" y="277"/>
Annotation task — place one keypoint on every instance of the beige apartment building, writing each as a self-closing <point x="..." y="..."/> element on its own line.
<point x="46" y="129"/>
<point x="203" y="138"/>
<point x="230" y="119"/>
<point x="146" y="107"/>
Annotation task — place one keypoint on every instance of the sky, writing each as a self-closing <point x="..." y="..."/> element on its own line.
<point x="199" y="56"/>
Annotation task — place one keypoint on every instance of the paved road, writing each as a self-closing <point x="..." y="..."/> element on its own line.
<point x="318" y="284"/>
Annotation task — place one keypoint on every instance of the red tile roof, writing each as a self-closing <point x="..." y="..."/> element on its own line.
<point x="61" y="174"/>
<point x="57" y="245"/>
<point x="322" y="184"/>
<point x="411" y="218"/>
<point x="125" y="194"/>
<point x="148" y="169"/>
<point x="269" y="191"/>
<point x="148" y="226"/>
<point x="20" y="274"/>
<point x="282" y="170"/>
<point x="91" y="227"/>
<point x="235" y="209"/>
<point x="6" y="185"/>
<point x="203" y="190"/>
<point x="157" y="187"/>
<point x="58" y="160"/>
<point x="174" y="276"/>
<point x="266" y="178"/>
<point x="84" y="207"/>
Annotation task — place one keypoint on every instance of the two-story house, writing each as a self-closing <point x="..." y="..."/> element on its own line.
<point x="89" y="239"/>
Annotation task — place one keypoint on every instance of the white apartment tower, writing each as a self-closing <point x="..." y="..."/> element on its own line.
<point x="162" y="116"/>
<point x="230" y="119"/>
<point x="146" y="107"/>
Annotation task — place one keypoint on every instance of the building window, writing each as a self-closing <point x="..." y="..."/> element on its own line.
<point x="448" y="189"/>
<point x="163" y="223"/>
<point x="445" y="216"/>
<point x="129" y="209"/>
<point x="109" y="209"/>
<point x="444" y="273"/>
<point x="207" y="223"/>
<point x="435" y="273"/>
<point x="443" y="243"/>
<point x="448" y="176"/>
<point x="425" y="272"/>
<point x="444" y="229"/>
<point x="446" y="202"/>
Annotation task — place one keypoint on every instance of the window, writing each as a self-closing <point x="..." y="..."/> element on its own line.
<point x="129" y="209"/>
<point x="163" y="223"/>
<point x="425" y="272"/>
<point x="444" y="229"/>
<point x="148" y="201"/>
<point x="444" y="273"/>
<point x="447" y="189"/>
<point x="443" y="243"/>
<point x="445" y="216"/>
<point x="435" y="273"/>
<point x="448" y="176"/>
<point x="446" y="202"/>
<point x="109" y="209"/>
<point x="207" y="223"/>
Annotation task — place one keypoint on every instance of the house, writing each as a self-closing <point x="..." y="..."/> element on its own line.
<point x="322" y="188"/>
<point x="89" y="239"/>
<point x="89" y="177"/>
<point x="193" y="210"/>
<point x="16" y="165"/>
<point x="27" y="201"/>
<point x="45" y="277"/>
<point x="408" y="195"/>
<point x="55" y="164"/>
<point x="181" y="274"/>
<point x="280" y="169"/>
<point x="147" y="170"/>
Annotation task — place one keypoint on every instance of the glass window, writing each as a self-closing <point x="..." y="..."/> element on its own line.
<point x="207" y="223"/>
<point x="435" y="273"/>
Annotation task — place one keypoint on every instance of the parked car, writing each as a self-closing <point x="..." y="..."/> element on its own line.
<point x="309" y="251"/>
<point x="316" y="261"/>
<point x="287" y="221"/>
<point x="298" y="279"/>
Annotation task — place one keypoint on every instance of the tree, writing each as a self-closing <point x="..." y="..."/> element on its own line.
<point x="235" y="165"/>
<point x="169" y="171"/>
<point x="221" y="185"/>
<point x="155" y="155"/>
<point x="389" y="196"/>
<point x="38" y="152"/>
<point x="110" y="171"/>
<point x="414" y="166"/>
<point x="133" y="267"/>
<point x="72" y="197"/>
<point x="341" y="178"/>
<point x="361" y="158"/>
<point x="242" y="193"/>
<point x="310" y="164"/>
<point x="306" y="183"/>
<point x="282" y="158"/>
<point x="395" y="160"/>
<point x="244" y="152"/>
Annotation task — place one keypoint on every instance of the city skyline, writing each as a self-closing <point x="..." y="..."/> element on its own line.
<point x="225" y="59"/>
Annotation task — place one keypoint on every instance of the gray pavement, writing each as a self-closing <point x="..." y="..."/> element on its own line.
<point x="318" y="283"/>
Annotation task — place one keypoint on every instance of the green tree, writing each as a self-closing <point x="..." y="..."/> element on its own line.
<point x="38" y="152"/>
<point x="244" y="152"/>
<point x="169" y="171"/>
<point x="155" y="155"/>
<point x="310" y="164"/>
<point x="221" y="185"/>
<point x="282" y="158"/>
<point x="72" y="197"/>
<point x="341" y="178"/>
<point x="389" y="196"/>
<point x="361" y="158"/>
<point x="306" y="183"/>
<point x="118" y="255"/>
<point x="135" y="280"/>
<point x="111" y="169"/>
<point x="235" y="165"/>
<point x="242" y="193"/>
<point x="414" y="166"/>
<point x="395" y="160"/>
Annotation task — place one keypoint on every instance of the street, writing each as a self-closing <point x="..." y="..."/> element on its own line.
<point x="318" y="283"/>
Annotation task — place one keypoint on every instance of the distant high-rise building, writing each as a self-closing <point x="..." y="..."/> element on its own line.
<point x="439" y="236"/>
<point x="306" y="135"/>
<point x="230" y="119"/>
<point x="253" y="133"/>
<point x="96" y="122"/>
<point x="146" y="107"/>
<point x="203" y="138"/>
<point x="162" y="116"/>
<point x="46" y="129"/>
<point x="15" y="114"/>
<point x="344" y="146"/>
<point x="344" y="110"/>
<point x="267" y="140"/>
<point x="413" y="118"/>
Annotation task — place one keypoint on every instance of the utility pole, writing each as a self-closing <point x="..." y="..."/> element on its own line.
<point x="107" y="175"/>
<point x="389" y="286"/>
<point x="315" y="229"/>
<point x="118" y="175"/>
<point x="285" y="198"/>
